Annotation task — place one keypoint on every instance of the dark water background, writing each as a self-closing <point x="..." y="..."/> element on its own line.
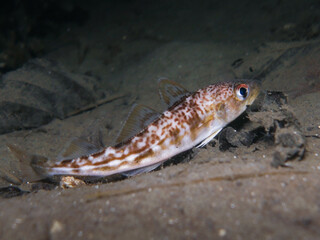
<point x="35" y="28"/>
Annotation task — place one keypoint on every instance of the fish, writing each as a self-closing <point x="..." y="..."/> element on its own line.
<point x="150" y="138"/>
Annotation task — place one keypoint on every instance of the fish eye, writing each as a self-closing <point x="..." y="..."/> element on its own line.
<point x="242" y="91"/>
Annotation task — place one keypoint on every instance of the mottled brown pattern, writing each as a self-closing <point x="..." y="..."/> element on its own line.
<point x="108" y="168"/>
<point x="190" y="107"/>
<point x="220" y="109"/>
<point x="64" y="162"/>
<point x="67" y="163"/>
<point x="177" y="140"/>
<point x="133" y="149"/>
<point x="98" y="154"/>
<point x="205" y="123"/>
<point x="156" y="137"/>
<point x="148" y="153"/>
<point x="75" y="171"/>
<point x="200" y="109"/>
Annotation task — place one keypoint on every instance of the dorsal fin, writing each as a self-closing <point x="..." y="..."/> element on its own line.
<point x="78" y="147"/>
<point x="170" y="91"/>
<point x="82" y="146"/>
<point x="139" y="117"/>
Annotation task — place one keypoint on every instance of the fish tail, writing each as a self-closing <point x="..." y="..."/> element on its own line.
<point x="32" y="167"/>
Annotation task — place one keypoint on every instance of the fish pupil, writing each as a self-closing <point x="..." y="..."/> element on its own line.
<point x="243" y="92"/>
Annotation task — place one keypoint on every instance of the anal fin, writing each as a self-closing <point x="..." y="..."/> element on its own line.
<point x="141" y="170"/>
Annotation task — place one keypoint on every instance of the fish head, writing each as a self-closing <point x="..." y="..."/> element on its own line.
<point x="234" y="98"/>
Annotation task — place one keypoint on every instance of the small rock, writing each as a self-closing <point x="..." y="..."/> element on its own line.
<point x="56" y="227"/>
<point x="70" y="182"/>
<point x="290" y="145"/>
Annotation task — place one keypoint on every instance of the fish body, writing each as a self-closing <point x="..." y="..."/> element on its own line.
<point x="193" y="120"/>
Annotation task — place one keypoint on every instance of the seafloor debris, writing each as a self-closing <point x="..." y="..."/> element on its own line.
<point x="230" y="137"/>
<point x="278" y="119"/>
<point x="40" y="91"/>
<point x="272" y="124"/>
<point x="290" y="145"/>
<point x="11" y="191"/>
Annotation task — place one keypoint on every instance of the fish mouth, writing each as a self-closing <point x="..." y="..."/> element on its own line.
<point x="255" y="87"/>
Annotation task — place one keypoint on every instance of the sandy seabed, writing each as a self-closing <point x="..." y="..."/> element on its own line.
<point x="229" y="189"/>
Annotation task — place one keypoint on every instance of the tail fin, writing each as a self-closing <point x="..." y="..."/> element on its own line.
<point x="31" y="166"/>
